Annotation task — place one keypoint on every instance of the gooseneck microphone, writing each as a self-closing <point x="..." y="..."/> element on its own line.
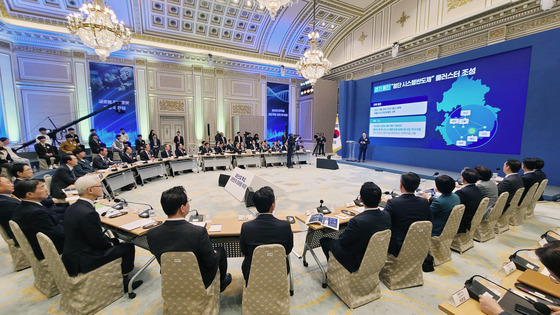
<point x="549" y="238"/>
<point x="425" y="179"/>
<point x="322" y="209"/>
<point x="197" y="217"/>
<point x="357" y="201"/>
<point x="476" y="289"/>
<point x="143" y="214"/>
<point x="522" y="263"/>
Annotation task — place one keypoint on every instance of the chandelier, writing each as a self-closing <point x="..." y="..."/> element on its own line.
<point x="313" y="65"/>
<point x="274" y="5"/>
<point x="98" y="28"/>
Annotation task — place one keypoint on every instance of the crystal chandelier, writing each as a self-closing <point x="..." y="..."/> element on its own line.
<point x="98" y="28"/>
<point x="274" y="5"/>
<point x="313" y="65"/>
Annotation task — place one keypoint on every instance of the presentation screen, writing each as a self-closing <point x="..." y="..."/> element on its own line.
<point x="476" y="105"/>
<point x="277" y="110"/>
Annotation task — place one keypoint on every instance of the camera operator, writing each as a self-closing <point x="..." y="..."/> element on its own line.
<point x="320" y="147"/>
<point x="291" y="146"/>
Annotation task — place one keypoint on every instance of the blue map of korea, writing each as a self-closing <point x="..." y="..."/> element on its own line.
<point x="469" y="122"/>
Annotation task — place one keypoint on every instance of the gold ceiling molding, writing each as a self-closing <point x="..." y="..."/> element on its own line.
<point x="241" y="109"/>
<point x="460" y="45"/>
<point x="535" y="25"/>
<point x="254" y="76"/>
<point x="402" y="20"/>
<point x="79" y="54"/>
<point x="497" y="34"/>
<point x="5" y="45"/>
<point x="167" y="105"/>
<point x="124" y="61"/>
<point x="432" y="52"/>
<point x="363" y="37"/>
<point x="141" y="62"/>
<point x="42" y="51"/>
<point x="405" y="61"/>
<point x="454" y="4"/>
<point x="167" y="65"/>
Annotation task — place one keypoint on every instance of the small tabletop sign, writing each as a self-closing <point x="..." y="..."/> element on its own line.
<point x="459" y="297"/>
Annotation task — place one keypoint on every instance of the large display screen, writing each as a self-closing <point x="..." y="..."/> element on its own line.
<point x="476" y="105"/>
<point x="110" y="83"/>
<point x="277" y="112"/>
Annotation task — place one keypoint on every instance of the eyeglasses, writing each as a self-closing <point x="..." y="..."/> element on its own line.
<point x="189" y="200"/>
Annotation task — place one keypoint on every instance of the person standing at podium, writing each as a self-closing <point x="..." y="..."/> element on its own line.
<point x="364" y="142"/>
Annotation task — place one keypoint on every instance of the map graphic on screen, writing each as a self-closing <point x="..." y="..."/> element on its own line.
<point x="476" y="105"/>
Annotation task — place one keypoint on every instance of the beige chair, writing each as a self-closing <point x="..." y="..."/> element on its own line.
<point x="503" y="222"/>
<point x="360" y="287"/>
<point x="538" y="194"/>
<point x="518" y="216"/>
<point x="182" y="288"/>
<point x="43" y="163"/>
<point x="19" y="260"/>
<point x="86" y="293"/>
<point x="268" y="290"/>
<point x="116" y="156"/>
<point x="48" y="179"/>
<point x="405" y="270"/>
<point x="464" y="241"/>
<point x="485" y="231"/>
<point x="440" y="246"/>
<point x="44" y="280"/>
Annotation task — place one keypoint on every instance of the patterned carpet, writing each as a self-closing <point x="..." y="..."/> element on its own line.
<point x="303" y="189"/>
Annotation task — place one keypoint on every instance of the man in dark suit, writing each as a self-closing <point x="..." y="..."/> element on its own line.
<point x="86" y="248"/>
<point x="101" y="161"/>
<point x="155" y="145"/>
<point x="406" y="210"/>
<point x="539" y="164"/>
<point x="264" y="230"/>
<point x="178" y="139"/>
<point x="127" y="156"/>
<point x="64" y="176"/>
<point x="166" y="153"/>
<point x="84" y="166"/>
<point x="46" y="151"/>
<point x="284" y="138"/>
<point x="8" y="204"/>
<point x="95" y="145"/>
<point x="364" y="142"/>
<point x="146" y="155"/>
<point x="206" y="148"/>
<point x="180" y="151"/>
<point x="219" y="148"/>
<point x="512" y="181"/>
<point x="178" y="235"/>
<point x="238" y="138"/>
<point x="350" y="247"/>
<point x="218" y="137"/>
<point x="32" y="217"/>
<point x="139" y="144"/>
<point x="23" y="171"/>
<point x="470" y="196"/>
<point x="291" y="144"/>
<point x="529" y="177"/>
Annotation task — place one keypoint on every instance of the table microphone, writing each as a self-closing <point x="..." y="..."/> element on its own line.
<point x="522" y="263"/>
<point x="197" y="217"/>
<point x="392" y="193"/>
<point x="550" y="238"/>
<point x="143" y="214"/>
<point x="358" y="202"/>
<point x="476" y="289"/>
<point x="322" y="209"/>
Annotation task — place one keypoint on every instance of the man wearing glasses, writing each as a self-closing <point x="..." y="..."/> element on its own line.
<point x="86" y="247"/>
<point x="178" y="235"/>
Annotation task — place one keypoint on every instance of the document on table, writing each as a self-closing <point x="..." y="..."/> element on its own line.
<point x="215" y="228"/>
<point x="136" y="224"/>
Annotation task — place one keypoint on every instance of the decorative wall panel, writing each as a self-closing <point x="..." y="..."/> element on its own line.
<point x="42" y="69"/>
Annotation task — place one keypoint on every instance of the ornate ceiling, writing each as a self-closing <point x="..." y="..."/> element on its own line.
<point x="350" y="30"/>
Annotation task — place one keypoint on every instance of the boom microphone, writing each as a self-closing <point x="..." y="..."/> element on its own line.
<point x="550" y="238"/>
<point x="522" y="263"/>
<point x="143" y="214"/>
<point x="425" y="179"/>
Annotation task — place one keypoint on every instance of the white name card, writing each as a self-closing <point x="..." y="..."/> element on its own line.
<point x="507" y="268"/>
<point x="459" y="297"/>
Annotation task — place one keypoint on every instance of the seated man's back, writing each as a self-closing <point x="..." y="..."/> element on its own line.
<point x="406" y="210"/>
<point x="8" y="204"/>
<point x="265" y="229"/>
<point x="178" y="235"/>
<point x="470" y="196"/>
<point x="32" y="217"/>
<point x="349" y="249"/>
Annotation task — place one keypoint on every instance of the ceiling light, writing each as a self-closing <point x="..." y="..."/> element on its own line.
<point x="273" y="6"/>
<point x="313" y="65"/>
<point x="98" y="28"/>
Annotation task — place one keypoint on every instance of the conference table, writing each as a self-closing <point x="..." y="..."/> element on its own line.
<point x="227" y="237"/>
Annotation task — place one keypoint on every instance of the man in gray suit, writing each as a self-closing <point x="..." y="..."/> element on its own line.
<point x="512" y="182"/>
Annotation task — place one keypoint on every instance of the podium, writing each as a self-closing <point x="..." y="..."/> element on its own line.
<point x="351" y="150"/>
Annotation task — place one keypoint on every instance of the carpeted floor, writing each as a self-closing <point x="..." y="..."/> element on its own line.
<point x="303" y="189"/>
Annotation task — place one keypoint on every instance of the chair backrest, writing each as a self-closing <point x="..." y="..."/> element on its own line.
<point x="453" y="222"/>
<point x="374" y="257"/>
<point x="498" y="208"/>
<point x="48" y="180"/>
<point x="56" y="266"/>
<point x="416" y="243"/>
<point x="514" y="203"/>
<point x="479" y="214"/>
<point x="537" y="196"/>
<point x="23" y="243"/>
<point x="5" y="236"/>
<point x="529" y="196"/>
<point x="180" y="275"/>
<point x="268" y="288"/>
